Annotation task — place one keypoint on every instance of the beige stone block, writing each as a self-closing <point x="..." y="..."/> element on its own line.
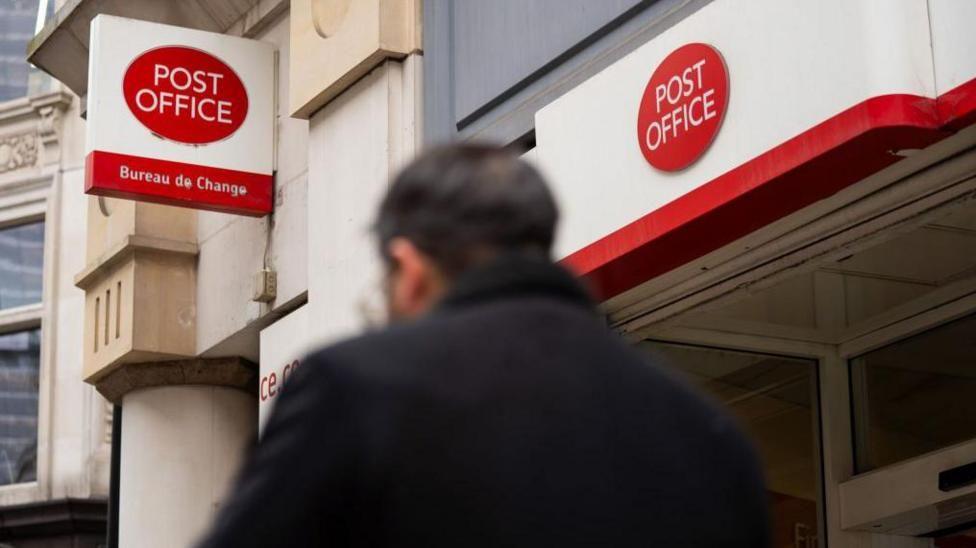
<point x="139" y="307"/>
<point x="111" y="221"/>
<point x="139" y="283"/>
<point x="334" y="43"/>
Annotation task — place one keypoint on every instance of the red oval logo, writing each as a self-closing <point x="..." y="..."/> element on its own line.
<point x="185" y="95"/>
<point x="683" y="107"/>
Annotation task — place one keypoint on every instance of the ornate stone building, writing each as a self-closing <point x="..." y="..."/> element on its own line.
<point x="55" y="434"/>
<point x="813" y="267"/>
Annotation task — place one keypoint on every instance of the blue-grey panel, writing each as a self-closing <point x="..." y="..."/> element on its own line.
<point x="21" y="265"/>
<point x="500" y="43"/>
<point x="489" y="65"/>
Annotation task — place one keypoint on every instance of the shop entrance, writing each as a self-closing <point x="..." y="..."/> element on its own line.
<point x="775" y="399"/>
<point x="851" y="366"/>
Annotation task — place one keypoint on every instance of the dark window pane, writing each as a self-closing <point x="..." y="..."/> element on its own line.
<point x="775" y="400"/>
<point x="17" y="21"/>
<point x="21" y="264"/>
<point x="19" y="365"/>
<point x="916" y="395"/>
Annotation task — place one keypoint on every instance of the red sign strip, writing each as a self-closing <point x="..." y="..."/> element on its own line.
<point x="805" y="169"/>
<point x="178" y="184"/>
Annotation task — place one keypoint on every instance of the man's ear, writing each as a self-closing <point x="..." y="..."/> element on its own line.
<point x="417" y="282"/>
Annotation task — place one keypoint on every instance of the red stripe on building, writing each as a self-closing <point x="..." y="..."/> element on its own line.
<point x="812" y="166"/>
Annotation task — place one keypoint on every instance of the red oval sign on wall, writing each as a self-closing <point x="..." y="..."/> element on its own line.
<point x="683" y="107"/>
<point x="185" y="95"/>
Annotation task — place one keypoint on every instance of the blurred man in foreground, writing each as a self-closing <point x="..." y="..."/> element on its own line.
<point x="497" y="410"/>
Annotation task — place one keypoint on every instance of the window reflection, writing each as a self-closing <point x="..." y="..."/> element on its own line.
<point x="21" y="264"/>
<point x="18" y="21"/>
<point x="915" y="395"/>
<point x="19" y="366"/>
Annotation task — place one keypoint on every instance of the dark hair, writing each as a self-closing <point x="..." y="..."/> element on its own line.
<point x="462" y="204"/>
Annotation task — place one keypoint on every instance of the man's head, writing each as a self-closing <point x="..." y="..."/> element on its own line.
<point x="454" y="209"/>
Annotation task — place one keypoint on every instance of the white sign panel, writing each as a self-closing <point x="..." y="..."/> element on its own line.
<point x="180" y="116"/>
<point x="283" y="346"/>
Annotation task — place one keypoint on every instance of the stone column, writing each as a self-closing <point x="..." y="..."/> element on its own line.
<point x="185" y="420"/>
<point x="181" y="447"/>
<point x="185" y="425"/>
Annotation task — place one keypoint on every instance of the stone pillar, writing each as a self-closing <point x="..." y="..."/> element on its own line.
<point x="185" y="420"/>
<point x="181" y="447"/>
<point x="185" y="425"/>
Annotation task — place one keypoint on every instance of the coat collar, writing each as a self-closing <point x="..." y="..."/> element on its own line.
<point x="516" y="275"/>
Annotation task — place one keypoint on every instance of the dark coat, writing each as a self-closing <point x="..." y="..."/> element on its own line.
<point x="509" y="416"/>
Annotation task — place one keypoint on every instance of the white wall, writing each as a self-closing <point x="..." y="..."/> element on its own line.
<point x="234" y="248"/>
<point x="283" y="348"/>
<point x="356" y="144"/>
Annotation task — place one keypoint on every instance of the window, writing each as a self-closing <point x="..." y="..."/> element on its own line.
<point x="915" y="395"/>
<point x="21" y="265"/>
<point x="19" y="21"/>
<point x="19" y="372"/>
<point x="775" y="399"/>
<point x="21" y="276"/>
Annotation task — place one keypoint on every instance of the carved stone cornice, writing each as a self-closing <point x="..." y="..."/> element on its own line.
<point x="34" y="107"/>
<point x="29" y="129"/>
<point x="18" y="151"/>
<point x="226" y="372"/>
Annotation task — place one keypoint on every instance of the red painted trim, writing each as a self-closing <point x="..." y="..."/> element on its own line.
<point x="102" y="178"/>
<point x="957" y="107"/>
<point x="812" y="166"/>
